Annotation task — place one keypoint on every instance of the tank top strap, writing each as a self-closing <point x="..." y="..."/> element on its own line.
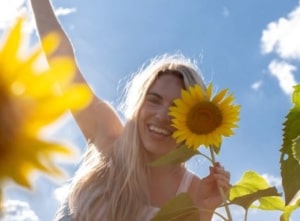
<point x="185" y="182"/>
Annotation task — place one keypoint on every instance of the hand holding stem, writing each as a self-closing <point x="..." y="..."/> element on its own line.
<point x="221" y="190"/>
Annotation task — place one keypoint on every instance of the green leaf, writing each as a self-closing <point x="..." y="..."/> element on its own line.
<point x="179" y="155"/>
<point x="179" y="208"/>
<point x="290" y="168"/>
<point x="296" y="149"/>
<point x="289" y="209"/>
<point x="252" y="187"/>
<point x="249" y="183"/>
<point x="296" y="95"/>
<point x="272" y="201"/>
<point x="268" y="200"/>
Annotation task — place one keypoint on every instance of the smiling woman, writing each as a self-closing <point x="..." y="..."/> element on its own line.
<point x="154" y="123"/>
<point x="115" y="181"/>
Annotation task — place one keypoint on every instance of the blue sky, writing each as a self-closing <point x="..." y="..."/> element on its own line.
<point x="250" y="47"/>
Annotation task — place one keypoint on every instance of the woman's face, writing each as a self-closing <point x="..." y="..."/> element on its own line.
<point x="154" y="123"/>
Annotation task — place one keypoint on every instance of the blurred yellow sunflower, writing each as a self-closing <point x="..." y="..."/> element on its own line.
<point x="31" y="98"/>
<point x="201" y="119"/>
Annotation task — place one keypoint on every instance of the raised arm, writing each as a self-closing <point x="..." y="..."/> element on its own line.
<point x="98" y="122"/>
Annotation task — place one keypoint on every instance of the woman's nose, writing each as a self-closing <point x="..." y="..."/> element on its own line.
<point x="163" y="114"/>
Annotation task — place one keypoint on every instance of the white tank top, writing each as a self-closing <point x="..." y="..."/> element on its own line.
<point x="63" y="213"/>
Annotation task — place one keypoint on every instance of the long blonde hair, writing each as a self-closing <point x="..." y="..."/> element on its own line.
<point x="118" y="183"/>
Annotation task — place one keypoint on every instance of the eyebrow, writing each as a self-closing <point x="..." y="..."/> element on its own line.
<point x="158" y="96"/>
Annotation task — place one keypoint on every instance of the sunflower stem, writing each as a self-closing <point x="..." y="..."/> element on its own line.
<point x="224" y="198"/>
<point x="1" y="203"/>
<point x="207" y="157"/>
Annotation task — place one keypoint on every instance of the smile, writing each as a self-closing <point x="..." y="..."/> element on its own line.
<point x="159" y="130"/>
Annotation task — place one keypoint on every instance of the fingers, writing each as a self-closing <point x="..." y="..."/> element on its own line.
<point x="221" y="176"/>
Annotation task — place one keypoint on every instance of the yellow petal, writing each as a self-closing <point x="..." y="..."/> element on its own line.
<point x="209" y="91"/>
<point x="220" y="96"/>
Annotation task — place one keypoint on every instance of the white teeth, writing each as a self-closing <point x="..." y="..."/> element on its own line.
<point x="159" y="130"/>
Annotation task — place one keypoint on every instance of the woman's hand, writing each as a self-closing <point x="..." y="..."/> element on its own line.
<point x="210" y="196"/>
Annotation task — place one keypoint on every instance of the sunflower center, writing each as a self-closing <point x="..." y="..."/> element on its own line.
<point x="204" y="118"/>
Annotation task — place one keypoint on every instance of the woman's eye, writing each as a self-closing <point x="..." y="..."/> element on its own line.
<point x="153" y="99"/>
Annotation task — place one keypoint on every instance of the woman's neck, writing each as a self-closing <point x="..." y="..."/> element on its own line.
<point x="166" y="171"/>
<point x="164" y="183"/>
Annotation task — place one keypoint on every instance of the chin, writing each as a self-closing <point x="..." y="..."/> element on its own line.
<point x="155" y="153"/>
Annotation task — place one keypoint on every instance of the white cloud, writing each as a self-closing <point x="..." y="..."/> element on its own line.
<point x="256" y="85"/>
<point x="9" y="10"/>
<point x="282" y="36"/>
<point x="272" y="180"/>
<point x="283" y="71"/>
<point x="64" y="11"/>
<point x="15" y="210"/>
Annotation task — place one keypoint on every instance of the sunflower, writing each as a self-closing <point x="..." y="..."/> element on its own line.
<point x="32" y="97"/>
<point x="201" y="119"/>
